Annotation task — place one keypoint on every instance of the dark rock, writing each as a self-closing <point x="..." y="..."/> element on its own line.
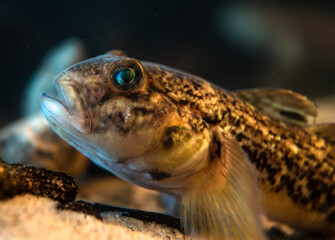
<point x="81" y="206"/>
<point x="17" y="179"/>
<point x="144" y="216"/>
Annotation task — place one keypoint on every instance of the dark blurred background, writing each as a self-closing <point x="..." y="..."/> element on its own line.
<point x="235" y="45"/>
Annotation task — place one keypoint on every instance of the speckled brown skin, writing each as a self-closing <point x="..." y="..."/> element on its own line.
<point x="295" y="168"/>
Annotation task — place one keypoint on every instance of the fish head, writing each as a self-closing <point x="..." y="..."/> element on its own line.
<point x="115" y="111"/>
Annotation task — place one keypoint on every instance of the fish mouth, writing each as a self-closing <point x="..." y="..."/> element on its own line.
<point x="66" y="109"/>
<point x="56" y="100"/>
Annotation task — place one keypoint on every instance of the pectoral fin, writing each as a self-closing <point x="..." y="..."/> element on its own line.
<point x="221" y="202"/>
<point x="324" y="130"/>
<point x="281" y="104"/>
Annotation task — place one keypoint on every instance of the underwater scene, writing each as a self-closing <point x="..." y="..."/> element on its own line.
<point x="167" y="120"/>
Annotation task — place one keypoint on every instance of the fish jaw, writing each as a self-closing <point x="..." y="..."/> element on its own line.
<point x="67" y="115"/>
<point x="65" y="124"/>
<point x="62" y="121"/>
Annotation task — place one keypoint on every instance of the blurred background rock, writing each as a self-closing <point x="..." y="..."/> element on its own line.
<point x="235" y="45"/>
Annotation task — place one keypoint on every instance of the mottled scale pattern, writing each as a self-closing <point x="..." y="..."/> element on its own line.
<point x="288" y="159"/>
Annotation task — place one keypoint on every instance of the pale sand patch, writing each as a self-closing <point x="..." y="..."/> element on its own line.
<point x="31" y="217"/>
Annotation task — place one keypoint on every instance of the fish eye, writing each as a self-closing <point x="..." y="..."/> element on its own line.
<point x="126" y="74"/>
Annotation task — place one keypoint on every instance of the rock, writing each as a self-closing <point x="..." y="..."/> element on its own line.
<point x="35" y="217"/>
<point x="31" y="217"/>
<point x="110" y="190"/>
<point x="31" y="141"/>
<point x="81" y="206"/>
<point x="17" y="179"/>
<point x="144" y="216"/>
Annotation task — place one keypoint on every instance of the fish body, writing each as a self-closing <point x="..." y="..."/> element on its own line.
<point x="171" y="131"/>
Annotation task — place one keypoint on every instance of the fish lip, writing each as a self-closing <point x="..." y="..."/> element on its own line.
<point x="57" y="99"/>
<point x="69" y="96"/>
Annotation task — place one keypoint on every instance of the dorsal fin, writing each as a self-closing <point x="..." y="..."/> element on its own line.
<point x="281" y="104"/>
<point x="221" y="201"/>
<point x="324" y="130"/>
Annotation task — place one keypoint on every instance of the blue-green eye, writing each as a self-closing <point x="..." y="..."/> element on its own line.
<point x="125" y="76"/>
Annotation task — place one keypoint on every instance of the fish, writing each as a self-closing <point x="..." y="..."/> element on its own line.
<point x="229" y="156"/>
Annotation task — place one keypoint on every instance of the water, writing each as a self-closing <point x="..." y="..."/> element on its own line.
<point x="233" y="45"/>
